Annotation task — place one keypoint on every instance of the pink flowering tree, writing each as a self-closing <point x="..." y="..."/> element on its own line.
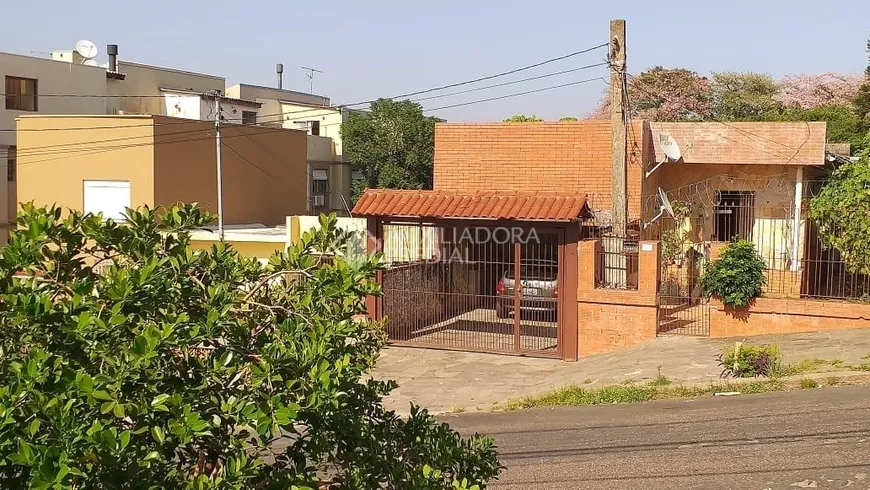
<point x="664" y="94"/>
<point x="811" y="91"/>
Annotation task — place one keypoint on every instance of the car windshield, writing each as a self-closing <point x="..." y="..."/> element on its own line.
<point x="535" y="271"/>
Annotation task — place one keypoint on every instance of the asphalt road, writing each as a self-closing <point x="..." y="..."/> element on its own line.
<point x="817" y="438"/>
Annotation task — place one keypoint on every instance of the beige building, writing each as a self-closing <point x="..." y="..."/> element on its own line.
<point x="69" y="84"/>
<point x="112" y="162"/>
<point x="329" y="177"/>
<point x="25" y="77"/>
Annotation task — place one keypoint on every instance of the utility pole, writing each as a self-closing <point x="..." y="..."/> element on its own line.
<point x="619" y="182"/>
<point x="220" y="164"/>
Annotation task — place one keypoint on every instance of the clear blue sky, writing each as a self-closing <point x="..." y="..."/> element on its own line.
<point x="376" y="48"/>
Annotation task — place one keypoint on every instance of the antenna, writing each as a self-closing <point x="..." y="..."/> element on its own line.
<point x="310" y="75"/>
<point x="86" y="49"/>
<point x="90" y="63"/>
<point x="664" y="207"/>
<point x="671" y="150"/>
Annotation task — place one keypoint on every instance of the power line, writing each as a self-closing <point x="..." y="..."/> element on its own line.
<point x="503" y="84"/>
<point x="517" y="94"/>
<point x="490" y="77"/>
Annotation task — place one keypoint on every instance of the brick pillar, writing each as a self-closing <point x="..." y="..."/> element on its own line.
<point x="649" y="268"/>
<point x="587" y="255"/>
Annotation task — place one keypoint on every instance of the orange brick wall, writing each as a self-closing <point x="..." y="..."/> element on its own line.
<point x="613" y="319"/>
<point x="747" y="143"/>
<point x="554" y="157"/>
<point x="769" y="315"/>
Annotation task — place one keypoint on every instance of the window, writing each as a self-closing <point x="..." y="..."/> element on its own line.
<point x="313" y="127"/>
<point x="21" y="94"/>
<point x="249" y="117"/>
<point x="11" y="153"/>
<point x="319" y="182"/>
<point x="110" y="197"/>
<point x="734" y="215"/>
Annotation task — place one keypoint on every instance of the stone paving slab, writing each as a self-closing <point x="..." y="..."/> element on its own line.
<point x="445" y="381"/>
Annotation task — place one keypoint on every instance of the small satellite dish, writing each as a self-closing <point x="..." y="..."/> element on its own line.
<point x="87" y="49"/>
<point x="671" y="150"/>
<point x="664" y="208"/>
<point x="90" y="63"/>
<point x="669" y="146"/>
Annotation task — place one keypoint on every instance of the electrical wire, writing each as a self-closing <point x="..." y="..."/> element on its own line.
<point x="517" y="94"/>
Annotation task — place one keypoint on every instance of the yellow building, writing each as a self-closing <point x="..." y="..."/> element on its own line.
<point x="106" y="163"/>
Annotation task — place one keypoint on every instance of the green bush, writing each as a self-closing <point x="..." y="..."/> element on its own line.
<point x="173" y="368"/>
<point x="747" y="361"/>
<point x="737" y="276"/>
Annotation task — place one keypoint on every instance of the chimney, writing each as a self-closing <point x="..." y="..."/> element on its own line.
<point x="279" y="69"/>
<point x="112" y="51"/>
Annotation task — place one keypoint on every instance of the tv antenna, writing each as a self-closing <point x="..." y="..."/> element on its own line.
<point x="671" y="150"/>
<point x="664" y="208"/>
<point x="310" y="74"/>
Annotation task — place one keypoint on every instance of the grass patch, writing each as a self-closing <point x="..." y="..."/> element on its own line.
<point x="575" y="395"/>
<point x="805" y="366"/>
<point x="832" y="381"/>
<point x="660" y="379"/>
<point x="808" y="383"/>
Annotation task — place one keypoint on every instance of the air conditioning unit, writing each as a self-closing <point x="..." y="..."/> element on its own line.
<point x="319" y="200"/>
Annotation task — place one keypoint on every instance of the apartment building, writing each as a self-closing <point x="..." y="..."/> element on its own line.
<point x="71" y="83"/>
<point x="329" y="177"/>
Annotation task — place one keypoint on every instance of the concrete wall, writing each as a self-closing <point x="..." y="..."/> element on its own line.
<point x="611" y="319"/>
<point x="52" y="165"/>
<point x="556" y="157"/>
<point x="148" y="80"/>
<point x="263" y="170"/>
<point x="330" y="121"/>
<point x="54" y="77"/>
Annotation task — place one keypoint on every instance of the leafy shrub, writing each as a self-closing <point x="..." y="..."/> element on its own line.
<point x="746" y="361"/>
<point x="737" y="276"/>
<point x="173" y="368"/>
<point x="808" y="383"/>
<point x="841" y="211"/>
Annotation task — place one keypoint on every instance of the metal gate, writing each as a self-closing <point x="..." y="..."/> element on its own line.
<point x="473" y="287"/>
<point x="683" y="308"/>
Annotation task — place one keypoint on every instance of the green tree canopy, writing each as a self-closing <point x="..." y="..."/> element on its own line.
<point x="521" y="118"/>
<point x="742" y="96"/>
<point x="173" y="368"/>
<point x="567" y="118"/>
<point x="393" y="144"/>
<point x="862" y="98"/>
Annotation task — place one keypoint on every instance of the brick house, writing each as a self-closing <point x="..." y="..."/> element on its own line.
<point x="737" y="179"/>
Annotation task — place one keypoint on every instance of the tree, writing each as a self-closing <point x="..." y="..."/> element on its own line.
<point x="841" y="211"/>
<point x="862" y="98"/>
<point x="393" y="145"/>
<point x="520" y="118"/>
<point x="743" y="96"/>
<point x="844" y="125"/>
<point x="567" y="119"/>
<point x="665" y="94"/>
<point x="812" y="91"/>
<point x="173" y="368"/>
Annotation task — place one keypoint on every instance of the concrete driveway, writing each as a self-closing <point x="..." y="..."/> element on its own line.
<point x="445" y="381"/>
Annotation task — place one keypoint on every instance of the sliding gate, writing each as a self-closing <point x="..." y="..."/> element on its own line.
<point x="472" y="287"/>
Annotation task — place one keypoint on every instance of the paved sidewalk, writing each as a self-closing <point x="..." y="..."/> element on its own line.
<point x="449" y="380"/>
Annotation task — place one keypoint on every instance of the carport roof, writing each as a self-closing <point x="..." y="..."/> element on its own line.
<point x="525" y="206"/>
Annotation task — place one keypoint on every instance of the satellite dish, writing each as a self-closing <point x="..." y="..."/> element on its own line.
<point x="86" y="49"/>
<point x="90" y="63"/>
<point x="664" y="208"/>
<point x="669" y="146"/>
<point x="671" y="150"/>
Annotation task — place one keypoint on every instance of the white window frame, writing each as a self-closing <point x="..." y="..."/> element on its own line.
<point x="113" y="190"/>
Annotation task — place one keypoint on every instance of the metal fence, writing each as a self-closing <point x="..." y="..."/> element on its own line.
<point x="617" y="263"/>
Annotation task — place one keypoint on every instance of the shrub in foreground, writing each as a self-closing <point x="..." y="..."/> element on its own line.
<point x="173" y="368"/>
<point x="747" y="361"/>
<point x="737" y="276"/>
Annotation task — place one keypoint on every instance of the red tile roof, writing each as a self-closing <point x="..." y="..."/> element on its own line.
<point x="480" y="205"/>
